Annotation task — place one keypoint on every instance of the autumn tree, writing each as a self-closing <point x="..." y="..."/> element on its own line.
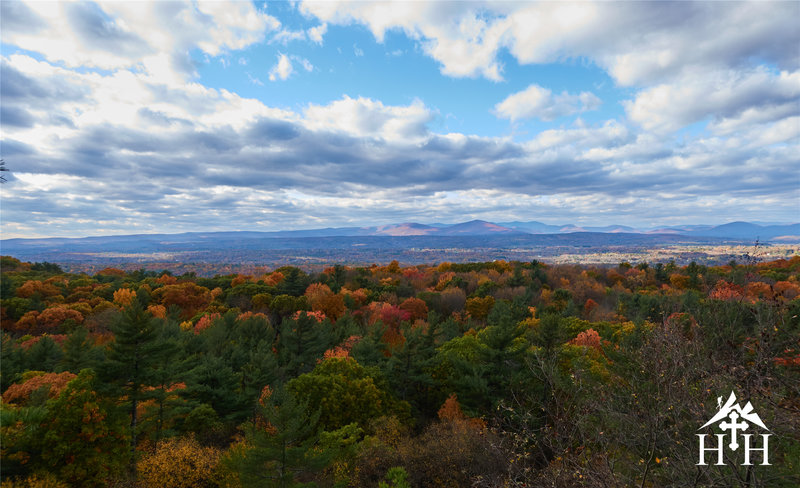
<point x="180" y="463"/>
<point x="452" y="300"/>
<point x="478" y="308"/>
<point x="416" y="308"/>
<point x="49" y="384"/>
<point x="79" y="414"/>
<point x="190" y="297"/>
<point x="74" y="436"/>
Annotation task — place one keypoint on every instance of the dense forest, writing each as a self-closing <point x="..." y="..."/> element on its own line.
<point x="515" y="374"/>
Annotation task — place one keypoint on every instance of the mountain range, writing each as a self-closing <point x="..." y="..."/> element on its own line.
<point x="415" y="243"/>
<point x="733" y="230"/>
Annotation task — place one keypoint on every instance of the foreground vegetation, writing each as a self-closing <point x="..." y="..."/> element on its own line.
<point x="482" y="374"/>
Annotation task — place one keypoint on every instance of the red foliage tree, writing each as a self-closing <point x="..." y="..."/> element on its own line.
<point x="416" y="308"/>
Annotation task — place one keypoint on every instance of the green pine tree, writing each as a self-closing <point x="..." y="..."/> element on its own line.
<point x="409" y="370"/>
<point x="302" y="342"/>
<point x="132" y="362"/>
<point x="283" y="447"/>
<point x="80" y="352"/>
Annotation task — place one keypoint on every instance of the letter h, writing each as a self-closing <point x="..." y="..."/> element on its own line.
<point x="747" y="449"/>
<point x="719" y="449"/>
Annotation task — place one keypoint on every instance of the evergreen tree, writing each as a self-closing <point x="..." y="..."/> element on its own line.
<point x="43" y="356"/>
<point x="294" y="282"/>
<point x="506" y="345"/>
<point x="283" y="446"/>
<point x="132" y="363"/>
<point x="409" y="370"/>
<point x="12" y="361"/>
<point x="482" y="367"/>
<point x="215" y="383"/>
<point x="169" y="368"/>
<point x="302" y="342"/>
<point x="370" y="351"/>
<point x="80" y="352"/>
<point x="550" y="333"/>
<point x="347" y="392"/>
<point x="245" y="347"/>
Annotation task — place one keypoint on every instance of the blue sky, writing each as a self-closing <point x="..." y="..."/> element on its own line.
<point x="144" y="117"/>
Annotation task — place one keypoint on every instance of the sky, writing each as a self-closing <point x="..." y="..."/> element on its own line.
<point x="167" y="117"/>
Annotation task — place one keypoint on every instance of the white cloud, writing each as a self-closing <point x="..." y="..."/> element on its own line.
<point x="573" y="142"/>
<point x="155" y="36"/>
<point x="305" y="63"/>
<point x="462" y="40"/>
<point x="539" y="102"/>
<point x="285" y="36"/>
<point x="316" y="33"/>
<point x="726" y="96"/>
<point x="363" y="117"/>
<point x="637" y="43"/>
<point x="254" y="80"/>
<point x="282" y="70"/>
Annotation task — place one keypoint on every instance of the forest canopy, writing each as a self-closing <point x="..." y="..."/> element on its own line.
<point x="475" y="374"/>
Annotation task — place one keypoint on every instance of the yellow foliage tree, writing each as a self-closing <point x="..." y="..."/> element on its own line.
<point x="43" y="480"/>
<point x="180" y="463"/>
<point x="124" y="296"/>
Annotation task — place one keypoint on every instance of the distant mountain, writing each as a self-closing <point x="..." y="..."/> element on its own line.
<point x="409" y="242"/>
<point x="475" y="228"/>
<point x="786" y="233"/>
<point x="408" y="229"/>
<point x="747" y="230"/>
<point x="613" y="229"/>
<point x="532" y="227"/>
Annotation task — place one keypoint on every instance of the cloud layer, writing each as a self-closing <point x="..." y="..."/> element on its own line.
<point x="108" y="131"/>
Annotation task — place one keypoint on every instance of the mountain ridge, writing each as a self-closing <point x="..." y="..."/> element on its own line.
<point x="738" y="229"/>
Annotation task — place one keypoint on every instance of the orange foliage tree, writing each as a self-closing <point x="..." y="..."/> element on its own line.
<point x="53" y="317"/>
<point x="588" y="338"/>
<point x="49" y="320"/>
<point x="190" y="297"/>
<point x="322" y="299"/>
<point x="32" y="287"/>
<point x="205" y="322"/>
<point x="54" y="383"/>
